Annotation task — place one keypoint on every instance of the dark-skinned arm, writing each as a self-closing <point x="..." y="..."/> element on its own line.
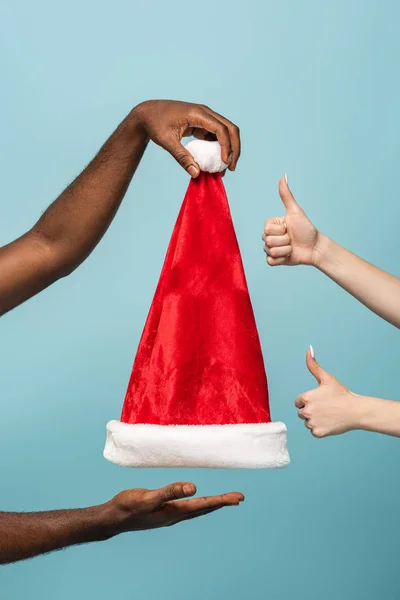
<point x="73" y="225"/>
<point x="25" y="535"/>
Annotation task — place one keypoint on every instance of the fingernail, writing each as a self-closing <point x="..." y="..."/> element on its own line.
<point x="312" y="352"/>
<point x="193" y="171"/>
<point x="187" y="490"/>
<point x="229" y="158"/>
<point x="286" y="179"/>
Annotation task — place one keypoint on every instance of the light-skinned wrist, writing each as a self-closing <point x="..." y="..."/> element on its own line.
<point x="368" y="412"/>
<point x="322" y="251"/>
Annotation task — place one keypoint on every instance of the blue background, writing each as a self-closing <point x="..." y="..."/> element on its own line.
<point x="314" y="87"/>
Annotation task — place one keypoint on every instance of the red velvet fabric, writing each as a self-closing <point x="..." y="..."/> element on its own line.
<point x="199" y="361"/>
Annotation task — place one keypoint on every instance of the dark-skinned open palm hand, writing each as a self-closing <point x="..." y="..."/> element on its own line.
<point x="137" y="509"/>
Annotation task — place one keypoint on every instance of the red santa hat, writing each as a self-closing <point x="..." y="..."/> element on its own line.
<point x="198" y="394"/>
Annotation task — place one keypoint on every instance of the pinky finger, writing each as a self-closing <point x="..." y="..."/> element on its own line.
<point x="275" y="262"/>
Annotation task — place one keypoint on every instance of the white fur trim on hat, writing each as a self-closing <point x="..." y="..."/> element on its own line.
<point x="243" y="446"/>
<point x="207" y="155"/>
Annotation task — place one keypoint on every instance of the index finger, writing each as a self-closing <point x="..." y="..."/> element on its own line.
<point x="201" y="118"/>
<point x="299" y="402"/>
<point x="234" y="133"/>
<point x="275" y="226"/>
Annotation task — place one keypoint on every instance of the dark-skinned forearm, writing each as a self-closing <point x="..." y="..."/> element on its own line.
<point x="24" y="535"/>
<point x="76" y="221"/>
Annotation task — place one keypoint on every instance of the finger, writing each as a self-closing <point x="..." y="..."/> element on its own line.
<point x="174" y="491"/>
<point x="301" y="415"/>
<point x="299" y="402"/>
<point x="280" y="251"/>
<point x="208" y="502"/>
<point x="275" y="226"/>
<point x="203" y="134"/>
<point x="199" y="514"/>
<point x="287" y="197"/>
<point x="234" y="133"/>
<point x="276" y="262"/>
<point x="205" y="120"/>
<point x="181" y="155"/>
<point x="315" y="369"/>
<point x="277" y="240"/>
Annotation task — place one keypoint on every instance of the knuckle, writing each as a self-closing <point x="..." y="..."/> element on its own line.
<point x="274" y="252"/>
<point x="267" y="226"/>
<point x="172" y="492"/>
<point x="193" y="112"/>
<point x="140" y="495"/>
<point x="182" y="158"/>
<point x="317" y="432"/>
<point x="147" y="497"/>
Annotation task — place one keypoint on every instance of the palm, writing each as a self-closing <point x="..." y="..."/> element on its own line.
<point x="140" y="509"/>
<point x="303" y="236"/>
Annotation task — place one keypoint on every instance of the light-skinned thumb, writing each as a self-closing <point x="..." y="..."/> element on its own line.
<point x="287" y="197"/>
<point x="315" y="368"/>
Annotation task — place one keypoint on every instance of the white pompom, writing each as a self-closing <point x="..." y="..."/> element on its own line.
<point x="207" y="155"/>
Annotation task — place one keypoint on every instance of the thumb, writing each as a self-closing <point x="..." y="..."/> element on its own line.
<point x="287" y="197"/>
<point x="182" y="156"/>
<point x="315" y="368"/>
<point x="174" y="491"/>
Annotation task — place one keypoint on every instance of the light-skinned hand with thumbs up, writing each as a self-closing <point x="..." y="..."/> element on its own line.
<point x="332" y="409"/>
<point x="292" y="239"/>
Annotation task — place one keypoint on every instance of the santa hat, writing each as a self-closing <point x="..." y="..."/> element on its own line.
<point x="198" y="394"/>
